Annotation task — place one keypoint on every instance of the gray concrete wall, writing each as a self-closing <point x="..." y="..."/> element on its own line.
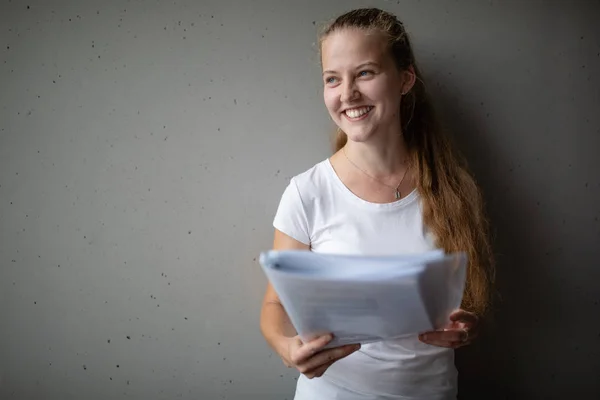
<point x="144" y="146"/>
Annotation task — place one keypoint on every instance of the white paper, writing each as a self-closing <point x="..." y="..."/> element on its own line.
<point x="364" y="299"/>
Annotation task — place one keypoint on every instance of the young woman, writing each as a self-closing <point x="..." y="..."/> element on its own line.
<point x="394" y="185"/>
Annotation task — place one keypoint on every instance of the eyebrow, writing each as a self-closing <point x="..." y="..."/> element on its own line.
<point x="369" y="63"/>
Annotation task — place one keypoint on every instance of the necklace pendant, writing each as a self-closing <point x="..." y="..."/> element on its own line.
<point x="397" y="194"/>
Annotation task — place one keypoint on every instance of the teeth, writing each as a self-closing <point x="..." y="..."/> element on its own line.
<point x="358" y="112"/>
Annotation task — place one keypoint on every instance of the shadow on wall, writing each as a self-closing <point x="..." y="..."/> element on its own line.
<point x="490" y="367"/>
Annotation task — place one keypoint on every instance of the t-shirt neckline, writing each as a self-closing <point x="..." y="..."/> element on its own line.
<point x="351" y="196"/>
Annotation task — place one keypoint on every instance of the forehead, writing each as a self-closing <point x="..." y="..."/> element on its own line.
<point x="349" y="47"/>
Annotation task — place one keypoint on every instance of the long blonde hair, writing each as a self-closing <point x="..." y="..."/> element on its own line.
<point x="452" y="202"/>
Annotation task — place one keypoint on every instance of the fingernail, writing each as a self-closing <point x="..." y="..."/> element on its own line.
<point x="423" y="336"/>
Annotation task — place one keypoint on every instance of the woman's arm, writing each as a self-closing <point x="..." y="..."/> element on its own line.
<point x="309" y="358"/>
<point x="275" y="324"/>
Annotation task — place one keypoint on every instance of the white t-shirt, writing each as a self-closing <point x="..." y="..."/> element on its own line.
<point x="317" y="209"/>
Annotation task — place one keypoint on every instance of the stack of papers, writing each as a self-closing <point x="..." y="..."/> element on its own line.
<point x="364" y="299"/>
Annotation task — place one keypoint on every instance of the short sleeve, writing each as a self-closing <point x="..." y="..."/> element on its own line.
<point x="291" y="217"/>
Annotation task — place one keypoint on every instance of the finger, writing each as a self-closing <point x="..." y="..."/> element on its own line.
<point x="319" y="371"/>
<point x="464" y="316"/>
<point x="307" y="350"/>
<point x="447" y="344"/>
<point x="331" y="355"/>
<point x="450" y="335"/>
<point x="439" y="343"/>
<point x="327" y="356"/>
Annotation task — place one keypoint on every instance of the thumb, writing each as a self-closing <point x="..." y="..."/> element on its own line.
<point x="463" y="316"/>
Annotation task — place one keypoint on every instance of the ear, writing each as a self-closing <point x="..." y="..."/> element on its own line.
<point x="409" y="77"/>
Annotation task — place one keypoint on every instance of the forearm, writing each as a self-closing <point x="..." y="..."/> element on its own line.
<point x="276" y="326"/>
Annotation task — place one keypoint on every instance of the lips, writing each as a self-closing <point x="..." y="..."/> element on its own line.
<point x="357" y="113"/>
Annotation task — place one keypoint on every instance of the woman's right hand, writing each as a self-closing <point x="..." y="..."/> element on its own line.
<point x="310" y="358"/>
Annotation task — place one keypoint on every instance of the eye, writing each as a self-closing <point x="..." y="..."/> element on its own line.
<point x="330" y="80"/>
<point x="365" y="73"/>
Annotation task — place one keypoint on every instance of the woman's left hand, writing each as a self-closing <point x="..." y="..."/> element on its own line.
<point x="461" y="331"/>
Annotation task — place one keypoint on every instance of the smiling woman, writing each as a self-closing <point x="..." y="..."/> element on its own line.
<point x="394" y="186"/>
<point x="362" y="83"/>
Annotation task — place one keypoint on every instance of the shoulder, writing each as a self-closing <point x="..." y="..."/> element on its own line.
<point x="312" y="181"/>
<point x="296" y="207"/>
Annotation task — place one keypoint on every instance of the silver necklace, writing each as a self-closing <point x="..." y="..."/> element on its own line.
<point x="397" y="193"/>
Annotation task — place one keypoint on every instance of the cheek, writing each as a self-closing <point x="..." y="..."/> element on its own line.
<point x="379" y="90"/>
<point x="331" y="100"/>
<point x="386" y="96"/>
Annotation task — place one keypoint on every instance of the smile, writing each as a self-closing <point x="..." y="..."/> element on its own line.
<point x="356" y="114"/>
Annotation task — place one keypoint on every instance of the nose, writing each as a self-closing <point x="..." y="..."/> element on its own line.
<point x="349" y="91"/>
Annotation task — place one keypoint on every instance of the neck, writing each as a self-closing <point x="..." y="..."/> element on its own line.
<point x="381" y="158"/>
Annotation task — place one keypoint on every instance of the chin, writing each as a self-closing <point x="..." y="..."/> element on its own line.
<point x="358" y="135"/>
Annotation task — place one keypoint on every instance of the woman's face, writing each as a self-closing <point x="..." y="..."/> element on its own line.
<point x="362" y="85"/>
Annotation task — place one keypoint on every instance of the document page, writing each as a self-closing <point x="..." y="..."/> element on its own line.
<point x="363" y="299"/>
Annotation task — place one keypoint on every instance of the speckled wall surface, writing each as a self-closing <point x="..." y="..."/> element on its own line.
<point x="144" y="146"/>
